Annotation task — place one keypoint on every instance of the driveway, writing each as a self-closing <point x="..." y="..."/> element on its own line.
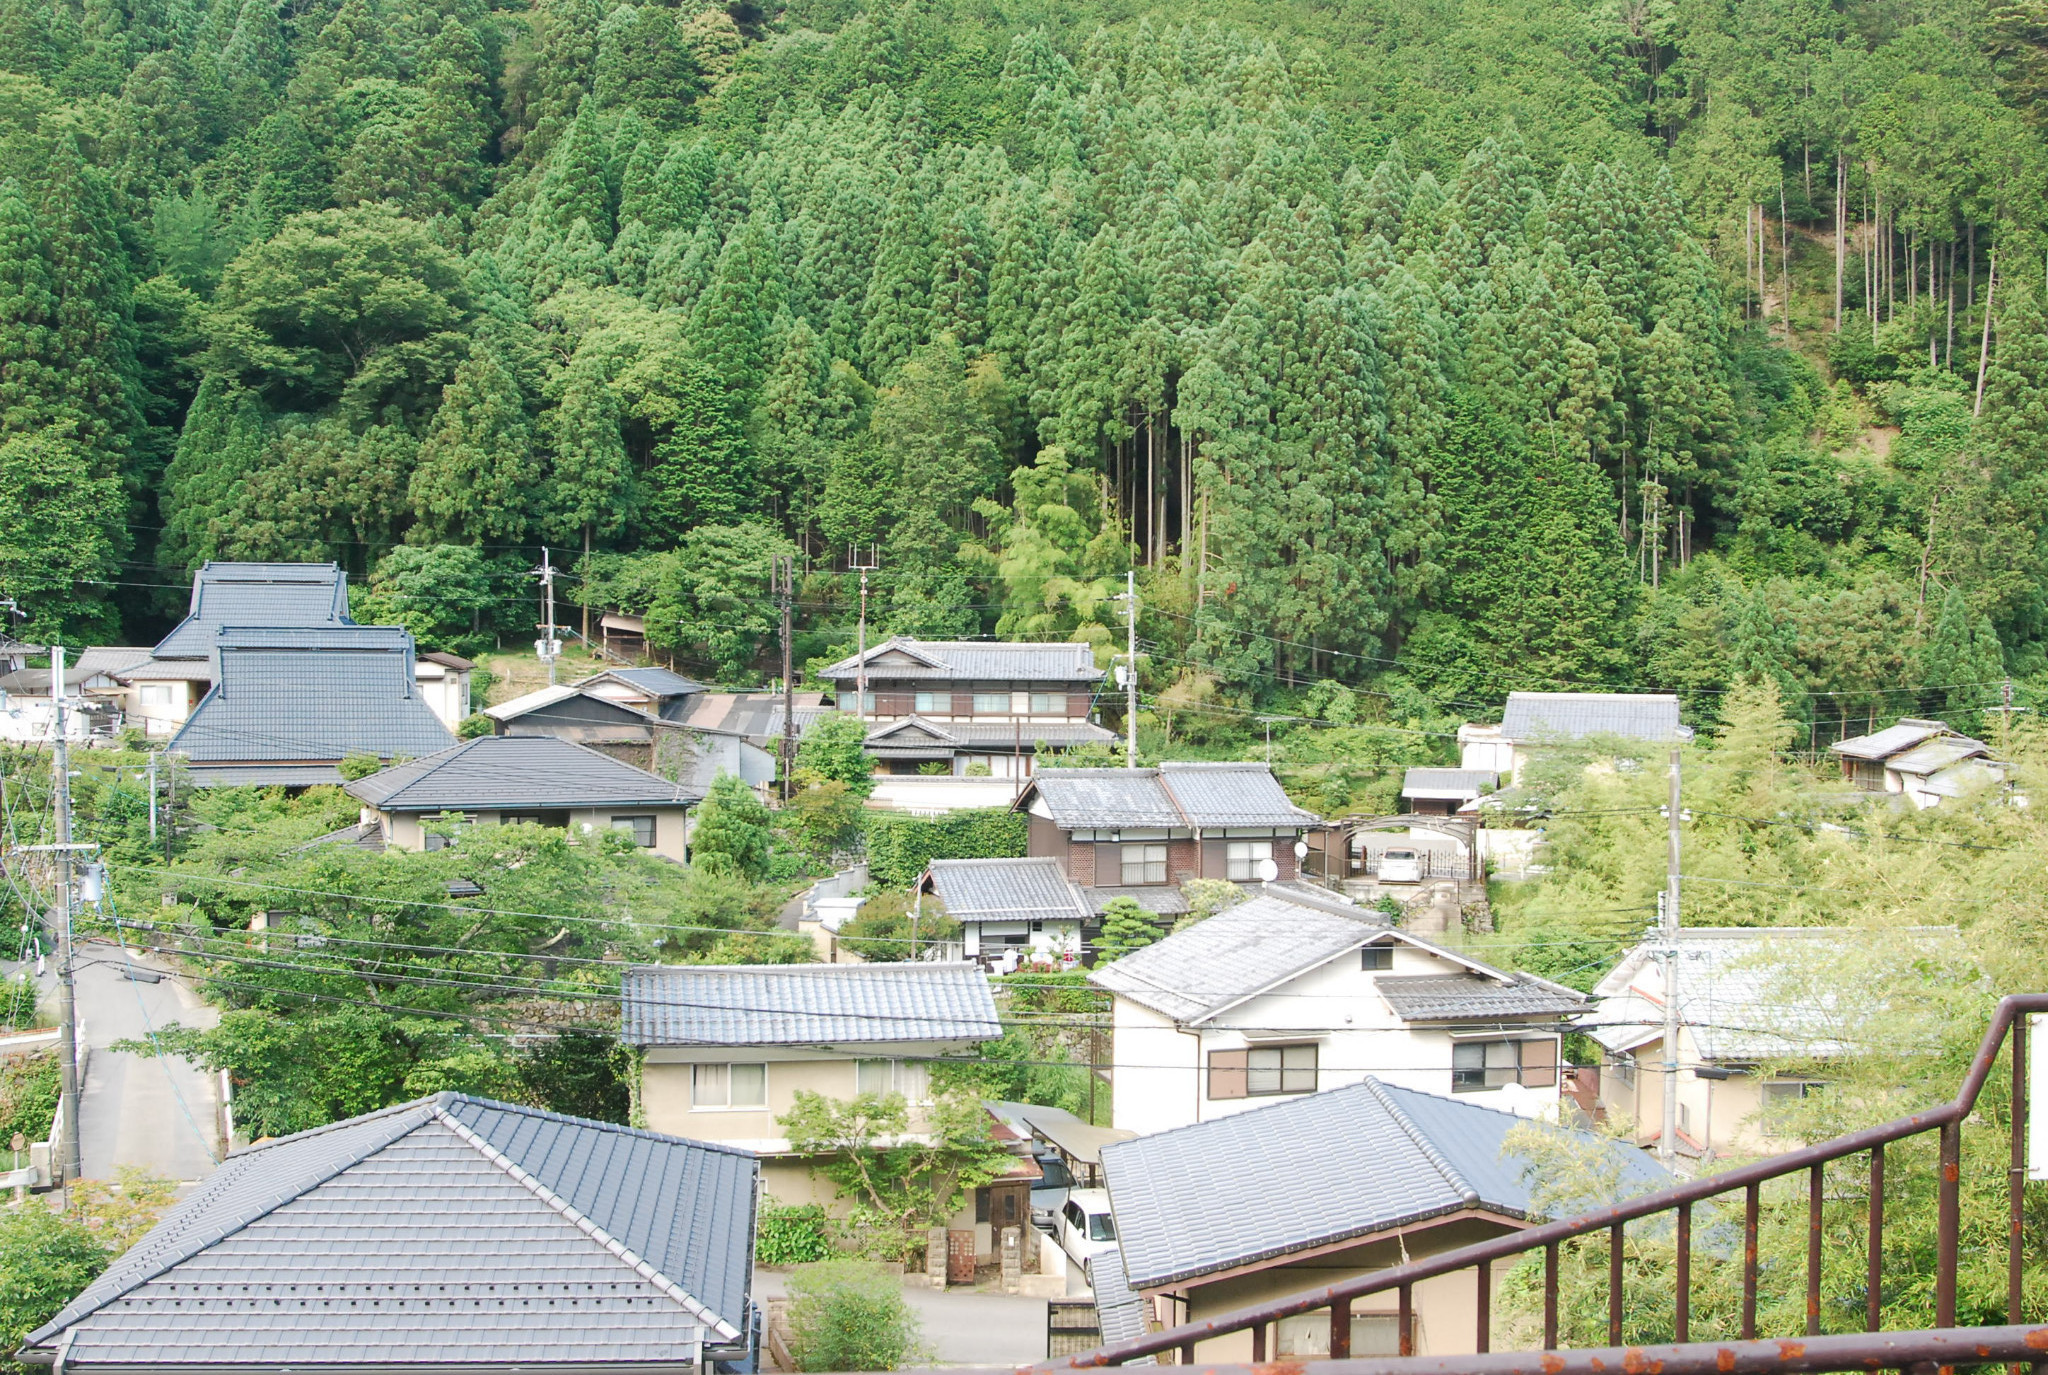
<point x="960" y="1326"/>
<point x="158" y="1112"/>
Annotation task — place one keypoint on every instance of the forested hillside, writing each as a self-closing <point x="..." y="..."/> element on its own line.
<point x="1433" y="348"/>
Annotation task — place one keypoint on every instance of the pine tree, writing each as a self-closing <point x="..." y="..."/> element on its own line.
<point x="476" y="473"/>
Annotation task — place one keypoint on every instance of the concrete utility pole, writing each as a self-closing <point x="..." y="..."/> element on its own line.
<point x="69" y="1165"/>
<point x="783" y="576"/>
<point x="860" y="679"/>
<point x="1667" y="1143"/>
<point x="1130" y="600"/>
<point x="549" y="646"/>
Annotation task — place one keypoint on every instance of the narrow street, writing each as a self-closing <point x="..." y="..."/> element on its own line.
<point x="158" y="1112"/>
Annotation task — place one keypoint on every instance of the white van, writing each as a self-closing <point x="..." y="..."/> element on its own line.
<point x="1400" y="866"/>
<point x="1086" y="1229"/>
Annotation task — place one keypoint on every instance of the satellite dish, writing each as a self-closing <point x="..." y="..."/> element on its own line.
<point x="1301" y="849"/>
<point x="1268" y="871"/>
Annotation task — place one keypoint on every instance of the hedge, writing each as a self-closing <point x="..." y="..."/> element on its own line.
<point x="900" y="847"/>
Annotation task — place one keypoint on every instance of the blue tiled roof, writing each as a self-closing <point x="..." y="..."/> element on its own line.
<point x="495" y="771"/>
<point x="449" y="1231"/>
<point x="805" y="1004"/>
<point x="256" y="594"/>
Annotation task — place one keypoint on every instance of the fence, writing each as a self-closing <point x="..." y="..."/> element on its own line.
<point x="1942" y="1345"/>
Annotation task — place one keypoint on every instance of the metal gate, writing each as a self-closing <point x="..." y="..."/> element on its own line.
<point x="1071" y="1326"/>
<point x="960" y="1256"/>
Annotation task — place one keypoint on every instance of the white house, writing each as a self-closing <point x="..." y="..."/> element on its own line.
<point x="1760" y="1014"/>
<point x="444" y="685"/>
<point x="1533" y="720"/>
<point x="1923" y="761"/>
<point x="1010" y="910"/>
<point x="1290" y="993"/>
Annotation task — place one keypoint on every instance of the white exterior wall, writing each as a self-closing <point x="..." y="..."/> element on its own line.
<point x="444" y="690"/>
<point x="1052" y="941"/>
<point x="1160" y="1069"/>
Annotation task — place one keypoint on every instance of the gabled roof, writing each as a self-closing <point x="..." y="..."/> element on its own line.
<point x="912" y="727"/>
<point x="1936" y="755"/>
<point x="311" y="696"/>
<point x="454" y="662"/>
<point x="1172" y="795"/>
<point x="1896" y="738"/>
<point x="519" y="771"/>
<point x="1541" y="716"/>
<point x="655" y="682"/>
<point x="1468" y="997"/>
<point x="980" y="890"/>
<point x="1281" y="933"/>
<point x="448" y="1232"/>
<point x="112" y="660"/>
<point x="934" y="741"/>
<point x="1450" y="785"/>
<point x="1316" y="1171"/>
<point x="902" y="658"/>
<point x="589" y="709"/>
<point x="805" y="1004"/>
<point x="256" y="594"/>
<point x="1749" y="993"/>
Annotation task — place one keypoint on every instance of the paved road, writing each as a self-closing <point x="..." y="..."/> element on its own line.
<point x="131" y="1108"/>
<point x="961" y="1327"/>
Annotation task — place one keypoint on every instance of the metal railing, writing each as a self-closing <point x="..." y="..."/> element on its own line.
<point x="1944" y="1344"/>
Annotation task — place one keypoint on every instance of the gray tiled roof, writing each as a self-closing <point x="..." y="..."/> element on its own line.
<point x="1091" y="799"/>
<point x="1235" y="794"/>
<point x="914" y="735"/>
<point x="449" y="1231"/>
<point x="811" y="1005"/>
<point x="1236" y="954"/>
<point x="1162" y="900"/>
<point x="1269" y="1181"/>
<point x="168" y="670"/>
<point x="1749" y="993"/>
<point x="297" y="695"/>
<point x="256" y="594"/>
<point x="657" y="682"/>
<point x="497" y="771"/>
<point x="1902" y="734"/>
<point x="1172" y="795"/>
<point x="1538" y="716"/>
<point x="1459" y="997"/>
<point x="1448" y="783"/>
<point x="1937" y="755"/>
<point x="571" y="706"/>
<point x="112" y="660"/>
<point x="972" y="661"/>
<point x="1006" y="890"/>
<point x="1118" y="1311"/>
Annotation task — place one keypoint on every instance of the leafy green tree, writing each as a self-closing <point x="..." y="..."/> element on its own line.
<point x="476" y="470"/>
<point x="1057" y="553"/>
<point x="443" y="593"/>
<point x="48" y="1259"/>
<point x="57" y="546"/>
<point x="833" y="748"/>
<point x="732" y="834"/>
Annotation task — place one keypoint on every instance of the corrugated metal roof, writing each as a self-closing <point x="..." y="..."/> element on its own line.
<point x="1539" y="716"/>
<point x="590" y="709"/>
<point x="1451" y="784"/>
<point x="1236" y="794"/>
<point x="1937" y="755"/>
<point x="497" y="771"/>
<point x="448" y="1231"/>
<point x="256" y="594"/>
<point x="1461" y="997"/>
<point x="1261" y="1184"/>
<point x="981" y="890"/>
<point x="971" y="661"/>
<point x="811" y="1005"/>
<point x="1901" y="735"/>
<point x="1748" y="993"/>
<point x="296" y="695"/>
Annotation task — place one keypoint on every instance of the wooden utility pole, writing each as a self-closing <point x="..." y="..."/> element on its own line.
<point x="1667" y="1144"/>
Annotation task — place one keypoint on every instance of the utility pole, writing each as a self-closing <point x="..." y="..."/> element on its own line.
<point x="860" y="682"/>
<point x="68" y="1158"/>
<point x="1667" y="1144"/>
<point x="152" y="798"/>
<point x="783" y="576"/>
<point x="1129" y="597"/>
<point x="549" y="648"/>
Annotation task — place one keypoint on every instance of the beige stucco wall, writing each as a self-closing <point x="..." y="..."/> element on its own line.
<point x="403" y="830"/>
<point x="1446" y="1308"/>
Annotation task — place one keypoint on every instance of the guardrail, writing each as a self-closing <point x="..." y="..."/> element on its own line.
<point x="1871" y="1348"/>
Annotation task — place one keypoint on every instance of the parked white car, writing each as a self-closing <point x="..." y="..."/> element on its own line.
<point x="1400" y="866"/>
<point x="1086" y="1229"/>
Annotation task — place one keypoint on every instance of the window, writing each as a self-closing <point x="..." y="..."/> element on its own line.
<point x="156" y="694"/>
<point x="1782" y="1098"/>
<point x="991" y="704"/>
<point x="1048" y="704"/>
<point x="1101" y="1227"/>
<point x="1262" y="1072"/>
<point x="863" y="702"/>
<point x="891" y="1076"/>
<point x="1143" y="864"/>
<point x="556" y="819"/>
<point x="1623" y="1068"/>
<point x="1477" y="1065"/>
<point x="1376" y="957"/>
<point x="729" y="1086"/>
<point x="1307" y="1335"/>
<point x="1243" y="858"/>
<point x="641" y="828"/>
<point x="934" y="703"/>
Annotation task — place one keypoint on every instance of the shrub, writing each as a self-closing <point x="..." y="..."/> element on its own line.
<point x="850" y="1315"/>
<point x="47" y="1259"/>
<point x="473" y="725"/>
<point x="356" y="766"/>
<point x="900" y="847"/>
<point x="28" y="1097"/>
<point x="793" y="1234"/>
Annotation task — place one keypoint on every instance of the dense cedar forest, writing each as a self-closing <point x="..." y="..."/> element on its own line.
<point x="1421" y="346"/>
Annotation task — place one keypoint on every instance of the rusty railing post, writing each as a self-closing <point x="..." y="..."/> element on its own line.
<point x="1340" y="1330"/>
<point x="2016" y="1174"/>
<point x="1681" y="1316"/>
<point x="1815" y="1181"/>
<point x="1614" y="1240"/>
<point x="1749" y="1212"/>
<point x="1948" y="1222"/>
<point x="1484" y="1340"/>
<point x="1550" y="1297"/>
<point x="1873" y="1317"/>
<point x="1406" y="1320"/>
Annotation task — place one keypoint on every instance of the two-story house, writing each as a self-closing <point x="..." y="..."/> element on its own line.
<point x="1141" y="833"/>
<point x="725" y="1048"/>
<point x="1292" y="993"/>
<point x="974" y="707"/>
